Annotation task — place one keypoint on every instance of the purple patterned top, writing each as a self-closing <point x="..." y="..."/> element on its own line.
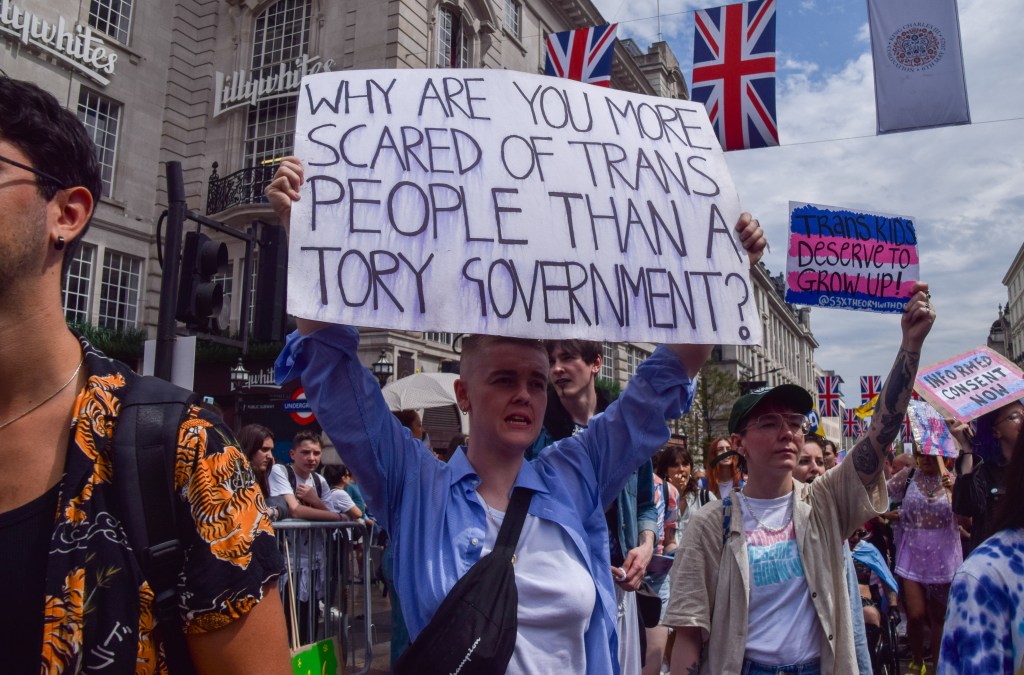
<point x="928" y="546"/>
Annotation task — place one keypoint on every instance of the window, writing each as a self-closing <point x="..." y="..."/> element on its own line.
<point x="452" y="43"/>
<point x="119" y="291"/>
<point x="78" y="285"/>
<point x="101" y="118"/>
<point x="226" y="279"/>
<point x="281" y="36"/>
<point x="608" y="350"/>
<point x="513" y="16"/>
<point x="112" y="17"/>
<point x="443" y="338"/>
<point x="634" y="357"/>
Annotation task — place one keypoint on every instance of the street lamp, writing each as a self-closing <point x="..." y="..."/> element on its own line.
<point x="239" y="376"/>
<point x="382" y="368"/>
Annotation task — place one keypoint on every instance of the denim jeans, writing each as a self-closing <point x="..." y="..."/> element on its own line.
<point x="805" y="668"/>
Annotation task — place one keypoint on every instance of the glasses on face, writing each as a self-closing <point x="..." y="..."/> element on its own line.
<point x="1015" y="417"/>
<point x="774" y="423"/>
<point x="57" y="182"/>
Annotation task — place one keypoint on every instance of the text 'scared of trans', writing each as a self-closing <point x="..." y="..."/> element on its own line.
<point x="505" y="203"/>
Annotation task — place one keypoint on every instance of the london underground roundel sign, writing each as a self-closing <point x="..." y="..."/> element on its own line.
<point x="299" y="409"/>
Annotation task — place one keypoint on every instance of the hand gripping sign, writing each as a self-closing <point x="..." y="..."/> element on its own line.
<point x="508" y="203"/>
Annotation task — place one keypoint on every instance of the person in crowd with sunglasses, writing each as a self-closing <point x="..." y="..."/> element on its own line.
<point x="768" y="564"/>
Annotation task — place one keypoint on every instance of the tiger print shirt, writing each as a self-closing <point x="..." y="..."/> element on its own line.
<point x="98" y="607"/>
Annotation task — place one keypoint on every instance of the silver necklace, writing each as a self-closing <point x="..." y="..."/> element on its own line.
<point x="760" y="523"/>
<point x="47" y="399"/>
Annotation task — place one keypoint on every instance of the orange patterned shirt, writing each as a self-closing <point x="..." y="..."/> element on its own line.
<point x="98" y="607"/>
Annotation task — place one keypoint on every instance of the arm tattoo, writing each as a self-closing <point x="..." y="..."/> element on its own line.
<point x="885" y="425"/>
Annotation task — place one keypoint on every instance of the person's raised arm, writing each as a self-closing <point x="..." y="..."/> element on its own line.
<point x="754" y="242"/>
<point x="282" y="190"/>
<point x="869" y="452"/>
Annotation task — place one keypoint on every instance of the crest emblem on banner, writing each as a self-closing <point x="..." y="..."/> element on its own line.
<point x="916" y="46"/>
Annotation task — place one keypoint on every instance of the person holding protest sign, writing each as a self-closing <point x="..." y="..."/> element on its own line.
<point x="444" y="517"/>
<point x="767" y="564"/>
<point x="977" y="493"/>
<point x="927" y="552"/>
<point x="983" y="631"/>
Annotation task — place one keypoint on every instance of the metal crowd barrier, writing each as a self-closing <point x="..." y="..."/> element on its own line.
<point x="331" y="564"/>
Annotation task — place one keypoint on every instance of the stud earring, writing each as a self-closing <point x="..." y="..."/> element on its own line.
<point x="59" y="244"/>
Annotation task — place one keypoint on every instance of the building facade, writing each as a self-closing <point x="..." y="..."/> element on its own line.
<point x="1013" y="317"/>
<point x="214" y="85"/>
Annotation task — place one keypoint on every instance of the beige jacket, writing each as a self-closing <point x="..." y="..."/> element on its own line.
<point x="710" y="588"/>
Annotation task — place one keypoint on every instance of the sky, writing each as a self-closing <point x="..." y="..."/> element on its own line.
<point x="964" y="185"/>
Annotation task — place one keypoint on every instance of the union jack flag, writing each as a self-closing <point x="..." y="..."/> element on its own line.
<point x="734" y="72"/>
<point x="851" y="425"/>
<point x="870" y="387"/>
<point x="828" y="395"/>
<point x="584" y="55"/>
<point x="906" y="432"/>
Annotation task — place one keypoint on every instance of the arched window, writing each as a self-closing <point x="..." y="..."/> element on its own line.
<point x="452" y="39"/>
<point x="281" y="36"/>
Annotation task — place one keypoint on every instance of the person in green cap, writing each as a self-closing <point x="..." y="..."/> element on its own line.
<point x="759" y="583"/>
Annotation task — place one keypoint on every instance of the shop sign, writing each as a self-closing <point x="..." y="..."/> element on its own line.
<point x="79" y="48"/>
<point x="242" y="88"/>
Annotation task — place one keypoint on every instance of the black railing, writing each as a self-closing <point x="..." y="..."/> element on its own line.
<point x="238" y="188"/>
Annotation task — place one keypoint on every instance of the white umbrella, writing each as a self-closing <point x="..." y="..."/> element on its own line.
<point x="421" y="390"/>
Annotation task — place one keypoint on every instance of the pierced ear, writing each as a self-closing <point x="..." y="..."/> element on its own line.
<point x="74" y="208"/>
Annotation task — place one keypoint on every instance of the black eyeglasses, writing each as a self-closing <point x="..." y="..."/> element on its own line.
<point x="60" y="184"/>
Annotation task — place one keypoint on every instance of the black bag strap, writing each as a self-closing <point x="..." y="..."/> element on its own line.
<point x="144" y="452"/>
<point x="512" y="525"/>
<point x="318" y="481"/>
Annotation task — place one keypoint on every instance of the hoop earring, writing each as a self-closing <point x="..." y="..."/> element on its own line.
<point x="59" y="244"/>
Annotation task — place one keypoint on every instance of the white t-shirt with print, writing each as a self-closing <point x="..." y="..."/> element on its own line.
<point x="783" y="627"/>
<point x="724" y="489"/>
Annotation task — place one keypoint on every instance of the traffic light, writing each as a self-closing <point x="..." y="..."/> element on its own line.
<point x="199" y="297"/>
<point x="270" y="320"/>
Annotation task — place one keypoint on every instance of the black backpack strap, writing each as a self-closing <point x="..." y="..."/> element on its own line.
<point x="515" y="516"/>
<point x="292" y="480"/>
<point x="318" y="482"/>
<point x="144" y="452"/>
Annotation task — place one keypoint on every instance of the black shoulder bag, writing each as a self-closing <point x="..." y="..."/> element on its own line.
<point x="473" y="632"/>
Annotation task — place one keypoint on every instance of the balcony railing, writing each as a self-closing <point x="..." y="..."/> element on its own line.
<point x="238" y="188"/>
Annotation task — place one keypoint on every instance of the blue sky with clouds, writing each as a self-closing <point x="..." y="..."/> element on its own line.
<point x="964" y="185"/>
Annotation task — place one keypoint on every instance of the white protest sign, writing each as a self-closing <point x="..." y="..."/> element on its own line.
<point x="488" y="201"/>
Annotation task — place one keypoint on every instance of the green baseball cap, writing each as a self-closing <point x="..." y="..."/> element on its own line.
<point x="789" y="395"/>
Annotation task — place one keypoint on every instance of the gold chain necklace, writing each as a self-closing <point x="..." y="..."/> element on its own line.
<point x="47" y="399"/>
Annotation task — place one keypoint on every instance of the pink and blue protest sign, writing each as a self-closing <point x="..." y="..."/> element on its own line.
<point x="971" y="384"/>
<point x="850" y="259"/>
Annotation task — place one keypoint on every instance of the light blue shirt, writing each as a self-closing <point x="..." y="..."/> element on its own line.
<point x="430" y="509"/>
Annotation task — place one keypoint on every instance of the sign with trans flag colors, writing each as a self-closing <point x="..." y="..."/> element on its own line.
<point x="850" y="259"/>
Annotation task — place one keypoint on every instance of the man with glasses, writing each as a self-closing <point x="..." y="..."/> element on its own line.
<point x="75" y="597"/>
<point x="759" y="584"/>
<point x="979" y="486"/>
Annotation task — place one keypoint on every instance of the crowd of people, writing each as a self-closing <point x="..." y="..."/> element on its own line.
<point x="781" y="558"/>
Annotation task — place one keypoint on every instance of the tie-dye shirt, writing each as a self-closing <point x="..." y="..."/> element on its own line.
<point x="984" y="631"/>
<point x="98" y="607"/>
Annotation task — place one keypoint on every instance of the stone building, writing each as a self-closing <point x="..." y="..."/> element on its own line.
<point x="1013" y="317"/>
<point x="214" y="86"/>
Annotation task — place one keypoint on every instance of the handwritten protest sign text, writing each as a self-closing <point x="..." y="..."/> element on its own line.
<point x="509" y="203"/>
<point x="971" y="384"/>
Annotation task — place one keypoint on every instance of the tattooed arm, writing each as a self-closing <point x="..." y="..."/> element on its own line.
<point x="891" y="408"/>
<point x="686" y="651"/>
